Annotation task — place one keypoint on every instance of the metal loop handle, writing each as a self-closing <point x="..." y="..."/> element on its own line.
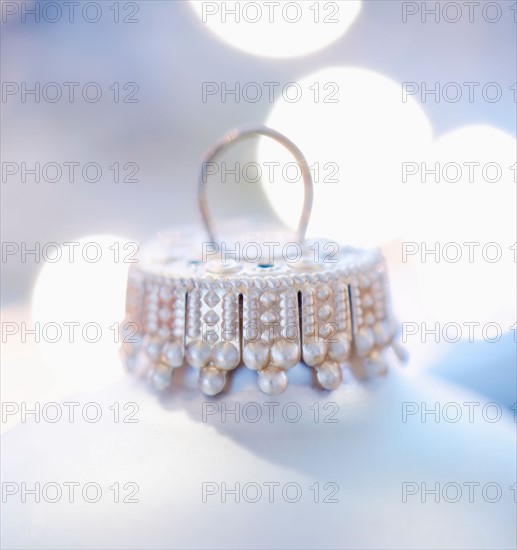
<point x="236" y="135"/>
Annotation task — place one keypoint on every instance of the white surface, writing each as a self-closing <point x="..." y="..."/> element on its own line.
<point x="170" y="452"/>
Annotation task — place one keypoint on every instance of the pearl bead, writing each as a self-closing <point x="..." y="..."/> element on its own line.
<point x="375" y="366"/>
<point x="268" y="298"/>
<point x="272" y="381"/>
<point x="381" y="331"/>
<point x="151" y="326"/>
<point x="152" y="304"/>
<point x="326" y="330"/>
<point x="172" y="354"/>
<point x="284" y="354"/>
<point x="340" y="349"/>
<point x="137" y="364"/>
<point x="255" y="355"/>
<point x="163" y="332"/>
<point x="211" y="299"/>
<point x="211" y="337"/>
<point x="367" y="300"/>
<point x="364" y="281"/>
<point x="211" y="380"/>
<point x="225" y="356"/>
<point x="198" y="354"/>
<point x="369" y="318"/>
<point x="364" y="341"/>
<point x="330" y="375"/>
<point x="314" y="353"/>
<point x="269" y="317"/>
<point x="323" y="292"/>
<point x="160" y="377"/>
<point x="164" y="314"/>
<point x="211" y="317"/>
<point x="153" y="347"/>
<point x="324" y="312"/>
<point x="268" y="336"/>
<point x="165" y="294"/>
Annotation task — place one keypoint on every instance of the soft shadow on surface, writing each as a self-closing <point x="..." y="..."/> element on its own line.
<point x="369" y="453"/>
<point x="357" y="424"/>
<point x="489" y="369"/>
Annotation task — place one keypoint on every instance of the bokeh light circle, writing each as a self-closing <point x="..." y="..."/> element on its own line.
<point x="355" y="131"/>
<point x="277" y="29"/>
<point x="78" y="301"/>
<point x="461" y="239"/>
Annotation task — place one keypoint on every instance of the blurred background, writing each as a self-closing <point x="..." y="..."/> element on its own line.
<point x="107" y="108"/>
<point x="406" y="112"/>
